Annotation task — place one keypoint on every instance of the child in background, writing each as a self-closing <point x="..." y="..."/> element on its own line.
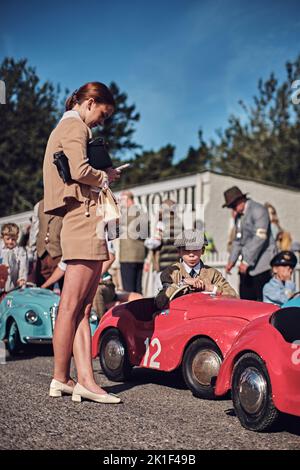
<point x="281" y="287"/>
<point x="13" y="256"/>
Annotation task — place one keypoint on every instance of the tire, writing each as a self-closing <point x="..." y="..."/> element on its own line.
<point x="252" y="394"/>
<point x="200" y="367"/>
<point x="113" y="356"/>
<point x="13" y="339"/>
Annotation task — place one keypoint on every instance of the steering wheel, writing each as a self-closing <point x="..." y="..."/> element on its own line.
<point x="182" y="290"/>
<point x="297" y="294"/>
<point x="186" y="289"/>
<point x="29" y="284"/>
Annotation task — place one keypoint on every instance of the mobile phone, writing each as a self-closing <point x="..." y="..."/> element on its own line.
<point x="122" y="167"/>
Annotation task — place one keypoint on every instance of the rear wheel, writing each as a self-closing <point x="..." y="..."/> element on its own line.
<point x="13" y="338"/>
<point x="252" y="394"/>
<point x="113" y="356"/>
<point x="200" y="367"/>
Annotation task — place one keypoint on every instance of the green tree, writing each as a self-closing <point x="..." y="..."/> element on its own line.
<point x="149" y="166"/>
<point x="26" y="120"/>
<point x="118" y="130"/>
<point x="265" y="144"/>
<point x="197" y="159"/>
<point x="31" y="111"/>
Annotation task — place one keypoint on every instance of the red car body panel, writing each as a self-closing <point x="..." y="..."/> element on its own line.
<point x="282" y="361"/>
<point x="160" y="343"/>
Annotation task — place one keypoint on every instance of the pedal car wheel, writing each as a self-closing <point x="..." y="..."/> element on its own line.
<point x="13" y="338"/>
<point x="113" y="356"/>
<point x="200" y="367"/>
<point x="252" y="394"/>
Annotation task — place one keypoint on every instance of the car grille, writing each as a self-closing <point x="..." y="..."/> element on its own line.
<point x="53" y="315"/>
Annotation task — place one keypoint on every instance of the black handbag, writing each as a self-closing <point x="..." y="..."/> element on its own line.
<point x="62" y="164"/>
<point x="97" y="155"/>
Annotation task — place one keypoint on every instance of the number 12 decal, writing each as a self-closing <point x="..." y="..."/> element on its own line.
<point x="153" y="364"/>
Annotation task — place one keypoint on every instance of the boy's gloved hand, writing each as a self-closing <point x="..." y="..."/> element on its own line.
<point x="196" y="283"/>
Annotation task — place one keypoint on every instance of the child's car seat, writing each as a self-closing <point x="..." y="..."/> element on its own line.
<point x="287" y="322"/>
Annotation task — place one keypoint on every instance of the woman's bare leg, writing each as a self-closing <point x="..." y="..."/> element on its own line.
<point x="82" y="346"/>
<point x="79" y="277"/>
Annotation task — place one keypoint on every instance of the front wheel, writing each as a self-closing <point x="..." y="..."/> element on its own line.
<point x="252" y="394"/>
<point x="13" y="339"/>
<point x="113" y="356"/>
<point x="200" y="367"/>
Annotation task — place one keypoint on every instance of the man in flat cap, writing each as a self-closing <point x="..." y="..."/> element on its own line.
<point x="253" y="243"/>
<point x="191" y="271"/>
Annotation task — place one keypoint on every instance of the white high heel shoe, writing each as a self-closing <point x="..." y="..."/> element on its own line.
<point x="82" y="392"/>
<point x="58" y="388"/>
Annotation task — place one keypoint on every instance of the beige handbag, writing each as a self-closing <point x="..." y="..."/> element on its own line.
<point x="108" y="207"/>
<point x="109" y="210"/>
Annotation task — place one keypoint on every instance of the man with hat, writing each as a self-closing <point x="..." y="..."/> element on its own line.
<point x="191" y="271"/>
<point x="253" y="242"/>
<point x="281" y="287"/>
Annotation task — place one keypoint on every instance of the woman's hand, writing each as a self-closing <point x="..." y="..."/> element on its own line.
<point x="113" y="174"/>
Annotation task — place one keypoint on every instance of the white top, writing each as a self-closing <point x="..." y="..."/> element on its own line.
<point x="17" y="262"/>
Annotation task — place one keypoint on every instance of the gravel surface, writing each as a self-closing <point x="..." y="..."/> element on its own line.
<point x="157" y="412"/>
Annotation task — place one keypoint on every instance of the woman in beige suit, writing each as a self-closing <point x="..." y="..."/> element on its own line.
<point x="82" y="248"/>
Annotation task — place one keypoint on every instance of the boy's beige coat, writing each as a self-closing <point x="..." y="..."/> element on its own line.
<point x="172" y="276"/>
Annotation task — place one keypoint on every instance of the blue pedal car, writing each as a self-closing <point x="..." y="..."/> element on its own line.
<point x="294" y="301"/>
<point x="27" y="316"/>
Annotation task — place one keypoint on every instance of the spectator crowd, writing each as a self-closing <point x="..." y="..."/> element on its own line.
<point x="142" y="262"/>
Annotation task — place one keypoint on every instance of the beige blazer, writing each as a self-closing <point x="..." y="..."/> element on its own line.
<point x="48" y="237"/>
<point x="71" y="135"/>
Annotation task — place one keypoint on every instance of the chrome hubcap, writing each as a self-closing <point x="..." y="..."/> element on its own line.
<point x="205" y="366"/>
<point x="252" y="390"/>
<point x="114" y="354"/>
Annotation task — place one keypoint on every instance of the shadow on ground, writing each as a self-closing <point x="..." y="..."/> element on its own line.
<point x="287" y="423"/>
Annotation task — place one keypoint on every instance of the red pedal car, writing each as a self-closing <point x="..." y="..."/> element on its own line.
<point x="195" y="333"/>
<point x="262" y="369"/>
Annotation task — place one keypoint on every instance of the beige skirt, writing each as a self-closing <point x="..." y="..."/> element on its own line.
<point x="82" y="236"/>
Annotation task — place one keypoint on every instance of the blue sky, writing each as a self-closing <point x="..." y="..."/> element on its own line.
<point x="184" y="63"/>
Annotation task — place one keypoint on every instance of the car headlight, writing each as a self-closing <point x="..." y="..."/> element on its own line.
<point x="31" y="316"/>
<point x="93" y="318"/>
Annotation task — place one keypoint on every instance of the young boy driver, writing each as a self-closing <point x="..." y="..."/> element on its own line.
<point x="190" y="270"/>
<point x="281" y="287"/>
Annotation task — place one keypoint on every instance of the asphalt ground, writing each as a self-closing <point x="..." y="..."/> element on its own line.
<point x="157" y="412"/>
